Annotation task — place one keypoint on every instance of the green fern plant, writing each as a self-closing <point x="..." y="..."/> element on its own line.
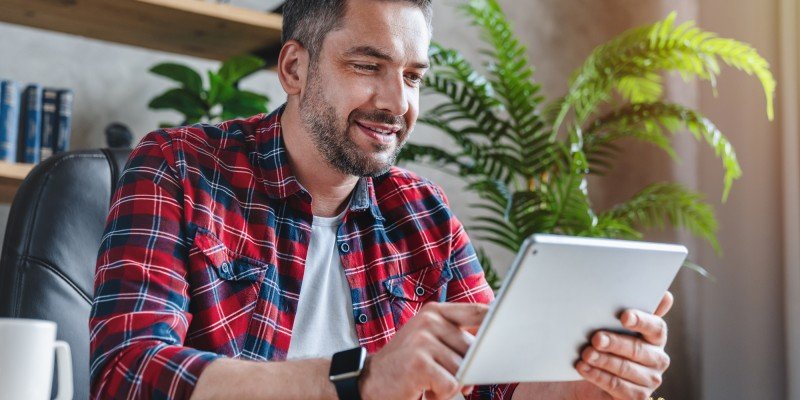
<point x="528" y="159"/>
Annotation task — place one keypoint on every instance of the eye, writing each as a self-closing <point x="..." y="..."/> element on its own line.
<point x="415" y="79"/>
<point x="366" y="67"/>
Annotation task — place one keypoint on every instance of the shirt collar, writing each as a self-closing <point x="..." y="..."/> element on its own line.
<point x="280" y="182"/>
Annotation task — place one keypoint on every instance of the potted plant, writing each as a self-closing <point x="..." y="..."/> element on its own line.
<point x="218" y="99"/>
<point x="528" y="159"/>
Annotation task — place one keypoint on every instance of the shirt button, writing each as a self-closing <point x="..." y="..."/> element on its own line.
<point x="419" y="290"/>
<point x="362" y="318"/>
<point x="226" y="268"/>
<point x="344" y="247"/>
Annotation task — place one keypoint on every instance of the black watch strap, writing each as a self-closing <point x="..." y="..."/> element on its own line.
<point x="345" y="370"/>
<point x="347" y="389"/>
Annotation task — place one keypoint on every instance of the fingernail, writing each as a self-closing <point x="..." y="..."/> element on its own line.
<point x="594" y="356"/>
<point x="603" y="340"/>
<point x="585" y="367"/>
<point x="632" y="319"/>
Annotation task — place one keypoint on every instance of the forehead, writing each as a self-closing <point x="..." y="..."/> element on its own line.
<point x="396" y="27"/>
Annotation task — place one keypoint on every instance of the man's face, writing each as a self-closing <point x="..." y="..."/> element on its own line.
<point x="361" y="100"/>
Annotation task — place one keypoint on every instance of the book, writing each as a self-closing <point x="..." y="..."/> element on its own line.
<point x="30" y="141"/>
<point x="9" y="120"/>
<point x="49" y="121"/>
<point x="64" y="125"/>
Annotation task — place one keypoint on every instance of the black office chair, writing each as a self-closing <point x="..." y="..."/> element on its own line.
<point x="50" y="248"/>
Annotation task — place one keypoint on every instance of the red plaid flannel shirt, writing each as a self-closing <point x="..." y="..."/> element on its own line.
<point x="204" y="249"/>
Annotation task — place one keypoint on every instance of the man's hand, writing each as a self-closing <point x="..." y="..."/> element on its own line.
<point x="624" y="367"/>
<point x="424" y="355"/>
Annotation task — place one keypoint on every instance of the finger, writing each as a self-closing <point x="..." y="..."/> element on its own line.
<point x="615" y="386"/>
<point x="467" y="390"/>
<point x="623" y="368"/>
<point x="652" y="327"/>
<point x="444" y="331"/>
<point x="634" y="349"/>
<point x="442" y="384"/>
<point x="463" y="315"/>
<point x="665" y="305"/>
<point x="455" y="338"/>
<point x="447" y="358"/>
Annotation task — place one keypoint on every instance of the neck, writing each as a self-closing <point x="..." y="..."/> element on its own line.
<point x="329" y="188"/>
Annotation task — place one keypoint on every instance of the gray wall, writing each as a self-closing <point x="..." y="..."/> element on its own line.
<point x="727" y="337"/>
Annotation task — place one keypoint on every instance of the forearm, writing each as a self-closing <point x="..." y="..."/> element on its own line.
<point x="544" y="391"/>
<point x="242" y="380"/>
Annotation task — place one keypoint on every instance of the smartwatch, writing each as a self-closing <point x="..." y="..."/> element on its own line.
<point x="346" y="367"/>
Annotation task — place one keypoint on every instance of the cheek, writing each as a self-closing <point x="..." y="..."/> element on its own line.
<point x="413" y="109"/>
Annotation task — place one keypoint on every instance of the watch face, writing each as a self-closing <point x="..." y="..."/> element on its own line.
<point x="348" y="361"/>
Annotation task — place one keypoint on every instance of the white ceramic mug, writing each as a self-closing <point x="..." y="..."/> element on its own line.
<point x="26" y="360"/>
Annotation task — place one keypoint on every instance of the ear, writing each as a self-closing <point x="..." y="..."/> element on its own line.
<point x="293" y="67"/>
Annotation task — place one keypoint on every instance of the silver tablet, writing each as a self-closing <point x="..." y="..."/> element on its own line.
<point x="559" y="291"/>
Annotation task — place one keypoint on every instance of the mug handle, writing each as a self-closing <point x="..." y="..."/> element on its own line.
<point x="64" y="362"/>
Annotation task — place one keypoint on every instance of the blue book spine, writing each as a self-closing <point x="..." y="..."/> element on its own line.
<point x="64" y="126"/>
<point x="49" y="121"/>
<point x="31" y="125"/>
<point x="9" y="120"/>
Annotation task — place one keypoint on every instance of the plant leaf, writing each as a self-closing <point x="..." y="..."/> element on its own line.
<point x="181" y="100"/>
<point x="670" y="202"/>
<point x="631" y="63"/>
<point x="244" y="104"/>
<point x="651" y="121"/>
<point x="220" y="91"/>
<point x="236" y="68"/>
<point x="182" y="74"/>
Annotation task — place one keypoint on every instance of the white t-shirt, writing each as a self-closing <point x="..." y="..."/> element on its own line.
<point x="324" y="321"/>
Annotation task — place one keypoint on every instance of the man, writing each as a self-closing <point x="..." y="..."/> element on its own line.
<point x="290" y="236"/>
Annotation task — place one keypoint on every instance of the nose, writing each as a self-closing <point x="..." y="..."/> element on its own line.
<point x="391" y="95"/>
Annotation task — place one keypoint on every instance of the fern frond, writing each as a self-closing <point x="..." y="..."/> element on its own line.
<point x="494" y="160"/>
<point x="432" y="155"/>
<point x="650" y="121"/>
<point x="511" y="76"/>
<point x="471" y="96"/>
<point x="568" y="192"/>
<point x="610" y="227"/>
<point x="641" y="89"/>
<point x="631" y="62"/>
<point x="668" y="202"/>
<point x="489" y="273"/>
<point x="494" y="191"/>
<point x="745" y="58"/>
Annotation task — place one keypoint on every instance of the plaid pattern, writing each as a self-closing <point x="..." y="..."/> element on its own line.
<point x="204" y="249"/>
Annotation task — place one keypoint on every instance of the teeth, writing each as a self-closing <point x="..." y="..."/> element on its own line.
<point x="379" y="131"/>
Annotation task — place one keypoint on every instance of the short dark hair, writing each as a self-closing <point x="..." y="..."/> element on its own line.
<point x="308" y="21"/>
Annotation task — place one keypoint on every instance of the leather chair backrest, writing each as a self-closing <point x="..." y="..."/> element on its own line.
<point x="50" y="247"/>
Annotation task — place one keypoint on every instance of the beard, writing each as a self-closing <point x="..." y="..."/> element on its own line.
<point x="332" y="137"/>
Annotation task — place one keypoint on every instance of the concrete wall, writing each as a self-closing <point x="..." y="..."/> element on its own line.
<point x="727" y="339"/>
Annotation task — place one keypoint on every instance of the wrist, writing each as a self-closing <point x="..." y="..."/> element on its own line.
<point x="364" y="379"/>
<point x="346" y="369"/>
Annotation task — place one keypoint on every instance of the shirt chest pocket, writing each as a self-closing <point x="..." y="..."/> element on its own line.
<point x="224" y="292"/>
<point x="408" y="292"/>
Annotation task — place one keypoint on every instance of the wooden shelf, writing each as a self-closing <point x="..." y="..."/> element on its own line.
<point x="189" y="27"/>
<point x="11" y="176"/>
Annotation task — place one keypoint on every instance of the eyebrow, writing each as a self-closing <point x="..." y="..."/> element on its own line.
<point x="375" y="52"/>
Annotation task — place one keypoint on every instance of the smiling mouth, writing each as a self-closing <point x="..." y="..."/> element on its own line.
<point x="384" y="132"/>
<point x="381" y="137"/>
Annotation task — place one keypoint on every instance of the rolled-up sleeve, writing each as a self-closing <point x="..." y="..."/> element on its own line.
<point x="139" y="316"/>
